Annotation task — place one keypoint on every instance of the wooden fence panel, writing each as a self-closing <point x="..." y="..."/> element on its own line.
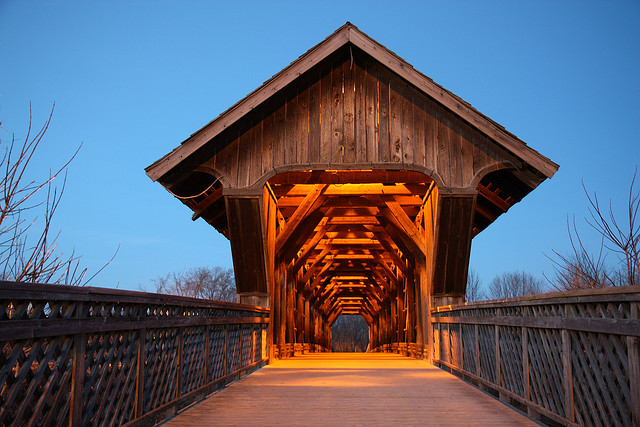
<point x="567" y="357"/>
<point x="90" y="356"/>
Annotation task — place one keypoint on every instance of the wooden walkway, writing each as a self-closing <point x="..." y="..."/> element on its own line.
<point x="350" y="389"/>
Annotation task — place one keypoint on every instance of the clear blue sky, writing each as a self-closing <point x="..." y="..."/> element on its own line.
<point x="132" y="79"/>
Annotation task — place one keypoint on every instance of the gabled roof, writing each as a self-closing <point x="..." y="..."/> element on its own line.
<point x="349" y="33"/>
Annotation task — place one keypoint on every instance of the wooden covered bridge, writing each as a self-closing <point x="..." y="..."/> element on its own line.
<point x="348" y="183"/>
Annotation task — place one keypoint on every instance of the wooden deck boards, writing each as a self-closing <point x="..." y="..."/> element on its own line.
<point x="350" y="389"/>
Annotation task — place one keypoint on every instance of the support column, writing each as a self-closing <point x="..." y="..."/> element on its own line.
<point x="248" y="238"/>
<point x="453" y="244"/>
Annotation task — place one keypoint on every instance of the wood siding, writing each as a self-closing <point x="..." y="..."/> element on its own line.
<point x="354" y="114"/>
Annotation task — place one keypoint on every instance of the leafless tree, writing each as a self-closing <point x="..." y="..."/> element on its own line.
<point x="474" y="288"/>
<point x="349" y="333"/>
<point x="620" y="237"/>
<point x="213" y="283"/>
<point x="515" y="284"/>
<point x="28" y="250"/>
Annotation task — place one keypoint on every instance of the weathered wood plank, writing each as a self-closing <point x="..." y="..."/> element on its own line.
<point x="326" y="124"/>
<point x="337" y="114"/>
<point x="267" y="142"/>
<point x="349" y="117"/>
<point x="279" y="137"/>
<point x="291" y="131"/>
<point x="359" y="80"/>
<point x="302" y="127"/>
<point x="315" y="139"/>
<point x="384" y="114"/>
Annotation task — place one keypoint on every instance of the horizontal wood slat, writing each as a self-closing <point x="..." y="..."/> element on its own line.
<point x="629" y="327"/>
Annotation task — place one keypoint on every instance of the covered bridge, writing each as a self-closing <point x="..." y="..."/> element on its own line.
<point x="350" y="183"/>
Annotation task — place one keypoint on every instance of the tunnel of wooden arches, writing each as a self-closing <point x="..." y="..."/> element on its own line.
<point x="350" y="183"/>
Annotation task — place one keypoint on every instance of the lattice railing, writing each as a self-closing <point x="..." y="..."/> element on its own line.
<point x="572" y="358"/>
<point x="91" y="356"/>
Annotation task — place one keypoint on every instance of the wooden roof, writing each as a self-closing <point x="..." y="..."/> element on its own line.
<point x="370" y="169"/>
<point x="346" y="34"/>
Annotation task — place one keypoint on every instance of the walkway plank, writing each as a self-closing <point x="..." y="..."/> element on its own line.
<point x="350" y="389"/>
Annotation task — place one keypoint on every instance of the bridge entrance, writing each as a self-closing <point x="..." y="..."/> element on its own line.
<point x="350" y="183"/>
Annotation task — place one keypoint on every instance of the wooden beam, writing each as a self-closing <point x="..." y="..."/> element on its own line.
<point x="502" y="204"/>
<point x="387" y="242"/>
<point x="407" y="225"/>
<point x="203" y="205"/>
<point x="298" y="216"/>
<point x="303" y="232"/>
<point x="310" y="246"/>
<point x="311" y="271"/>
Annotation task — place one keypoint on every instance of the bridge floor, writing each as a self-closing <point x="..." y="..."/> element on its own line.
<point x="350" y="389"/>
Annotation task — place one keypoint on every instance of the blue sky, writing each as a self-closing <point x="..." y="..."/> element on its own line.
<point x="132" y="79"/>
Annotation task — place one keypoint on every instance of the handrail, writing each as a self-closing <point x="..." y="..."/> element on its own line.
<point x="94" y="356"/>
<point x="570" y="357"/>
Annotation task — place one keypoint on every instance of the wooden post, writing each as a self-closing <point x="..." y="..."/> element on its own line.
<point x="252" y="354"/>
<point x="460" y="347"/>
<point x="282" y="335"/>
<point x="477" y="333"/>
<point x="240" y="347"/>
<point x="307" y="324"/>
<point x="142" y="340"/>
<point x="567" y="375"/>
<point x="526" y="392"/>
<point x="77" y="378"/>
<point x="226" y="351"/>
<point x="206" y="355"/>
<point x="180" y="362"/>
<point x="633" y="348"/>
<point x="498" y="373"/>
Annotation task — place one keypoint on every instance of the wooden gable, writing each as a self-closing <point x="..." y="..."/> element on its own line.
<point x="349" y="103"/>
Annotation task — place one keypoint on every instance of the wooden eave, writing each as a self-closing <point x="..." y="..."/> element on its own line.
<point x="349" y="33"/>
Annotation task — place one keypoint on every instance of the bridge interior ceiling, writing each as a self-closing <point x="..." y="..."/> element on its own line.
<point x="347" y="238"/>
<point x="497" y="193"/>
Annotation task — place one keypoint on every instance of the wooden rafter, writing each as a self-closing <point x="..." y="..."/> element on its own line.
<point x="299" y="215"/>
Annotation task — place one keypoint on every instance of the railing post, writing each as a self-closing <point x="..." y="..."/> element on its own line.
<point x="477" y="333"/>
<point x="78" y="374"/>
<point x="460" y="347"/>
<point x="226" y="350"/>
<point x="207" y="331"/>
<point x="633" y="348"/>
<point x="253" y="344"/>
<point x="180" y="362"/>
<point x="525" y="363"/>
<point x="142" y="335"/>
<point x="77" y="379"/>
<point x="498" y="373"/>
<point x="240" y="347"/>
<point x="567" y="375"/>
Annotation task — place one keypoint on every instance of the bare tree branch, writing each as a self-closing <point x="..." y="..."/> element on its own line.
<point x="28" y="253"/>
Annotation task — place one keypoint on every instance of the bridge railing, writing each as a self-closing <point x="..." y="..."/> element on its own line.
<point x="90" y="356"/>
<point x="571" y="357"/>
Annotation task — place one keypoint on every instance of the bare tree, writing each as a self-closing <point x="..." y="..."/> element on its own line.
<point x="580" y="269"/>
<point x="213" y="283"/>
<point x="515" y="284"/>
<point x="28" y="250"/>
<point x="620" y="237"/>
<point x="349" y="333"/>
<point x="474" y="291"/>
